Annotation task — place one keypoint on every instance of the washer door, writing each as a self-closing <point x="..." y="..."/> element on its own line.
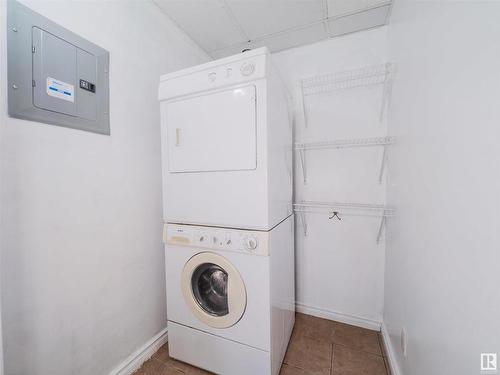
<point x="214" y="290"/>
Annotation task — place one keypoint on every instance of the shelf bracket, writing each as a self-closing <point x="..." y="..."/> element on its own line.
<point x="381" y="229"/>
<point x="386" y="91"/>
<point x="302" y="155"/>
<point x="303" y="103"/>
<point x="383" y="164"/>
<point x="303" y="222"/>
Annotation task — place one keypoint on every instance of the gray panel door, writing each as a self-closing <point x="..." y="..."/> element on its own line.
<point x="54" y="73"/>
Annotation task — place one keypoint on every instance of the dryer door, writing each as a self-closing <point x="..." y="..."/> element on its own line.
<point x="214" y="290"/>
<point x="212" y="132"/>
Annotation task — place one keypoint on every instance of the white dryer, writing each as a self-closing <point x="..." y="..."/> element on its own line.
<point x="227" y="144"/>
<point x="231" y="297"/>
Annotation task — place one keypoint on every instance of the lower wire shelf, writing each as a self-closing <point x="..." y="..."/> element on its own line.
<point x="336" y="210"/>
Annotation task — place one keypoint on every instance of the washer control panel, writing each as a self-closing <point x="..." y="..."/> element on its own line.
<point x="250" y="242"/>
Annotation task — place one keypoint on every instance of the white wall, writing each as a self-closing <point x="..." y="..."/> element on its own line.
<point x="340" y="268"/>
<point x="82" y="258"/>
<point x="443" y="255"/>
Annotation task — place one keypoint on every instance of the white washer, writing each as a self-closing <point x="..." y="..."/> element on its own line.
<point x="227" y="144"/>
<point x="231" y="298"/>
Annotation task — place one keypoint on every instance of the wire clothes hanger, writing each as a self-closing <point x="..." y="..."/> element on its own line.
<point x="335" y="214"/>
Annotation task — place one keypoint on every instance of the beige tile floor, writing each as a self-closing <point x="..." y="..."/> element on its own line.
<point x="318" y="347"/>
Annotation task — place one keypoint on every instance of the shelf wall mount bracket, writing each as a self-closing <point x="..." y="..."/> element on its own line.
<point x="303" y="103"/>
<point x="303" y="222"/>
<point x="302" y="155"/>
<point x="381" y="229"/>
<point x="387" y="89"/>
<point x="383" y="164"/>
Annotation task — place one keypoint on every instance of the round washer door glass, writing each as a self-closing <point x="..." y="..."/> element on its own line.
<point x="209" y="285"/>
<point x="214" y="290"/>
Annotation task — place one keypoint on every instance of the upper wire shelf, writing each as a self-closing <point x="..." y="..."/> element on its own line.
<point x="365" y="76"/>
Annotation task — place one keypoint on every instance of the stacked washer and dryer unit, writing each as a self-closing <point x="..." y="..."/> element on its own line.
<point x="229" y="231"/>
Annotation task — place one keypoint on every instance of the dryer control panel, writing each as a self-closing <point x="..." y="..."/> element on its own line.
<point x="210" y="238"/>
<point x="230" y="71"/>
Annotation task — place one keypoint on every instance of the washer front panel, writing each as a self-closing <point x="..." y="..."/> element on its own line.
<point x="253" y="327"/>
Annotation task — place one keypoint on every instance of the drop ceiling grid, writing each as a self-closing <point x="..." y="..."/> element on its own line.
<point x="262" y="18"/>
<point x="206" y="22"/>
<point x="224" y="27"/>
<point x="231" y="14"/>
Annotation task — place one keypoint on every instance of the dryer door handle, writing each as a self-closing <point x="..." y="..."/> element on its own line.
<point x="177" y="137"/>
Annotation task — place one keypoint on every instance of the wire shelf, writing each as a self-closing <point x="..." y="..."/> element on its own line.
<point x="359" y="209"/>
<point x="336" y="210"/>
<point x="345" y="143"/>
<point x="365" y="76"/>
<point x="381" y="74"/>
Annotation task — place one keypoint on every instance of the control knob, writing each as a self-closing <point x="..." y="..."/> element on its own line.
<point x="247" y="68"/>
<point x="251" y="243"/>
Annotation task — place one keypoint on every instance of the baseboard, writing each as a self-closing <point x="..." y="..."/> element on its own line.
<point x="389" y="352"/>
<point x="339" y="317"/>
<point x="141" y="355"/>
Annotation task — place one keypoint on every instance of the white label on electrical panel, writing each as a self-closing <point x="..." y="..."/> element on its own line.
<point x="61" y="90"/>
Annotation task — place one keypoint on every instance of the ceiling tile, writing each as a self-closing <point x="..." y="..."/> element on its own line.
<point x="340" y="7"/>
<point x="263" y="17"/>
<point x="208" y="22"/>
<point x="306" y="35"/>
<point x="358" y="21"/>
<point x="278" y="42"/>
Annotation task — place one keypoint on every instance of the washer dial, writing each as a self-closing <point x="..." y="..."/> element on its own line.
<point x="251" y="243"/>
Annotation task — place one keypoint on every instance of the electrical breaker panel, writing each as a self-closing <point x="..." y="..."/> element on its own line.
<point x="55" y="76"/>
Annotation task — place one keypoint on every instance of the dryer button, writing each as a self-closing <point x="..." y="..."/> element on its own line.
<point x="247" y="68"/>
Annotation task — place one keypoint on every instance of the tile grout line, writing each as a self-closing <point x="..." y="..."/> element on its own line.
<point x="167" y="365"/>
<point x="357" y="350"/>
<point x="294" y="366"/>
<point x="384" y="359"/>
